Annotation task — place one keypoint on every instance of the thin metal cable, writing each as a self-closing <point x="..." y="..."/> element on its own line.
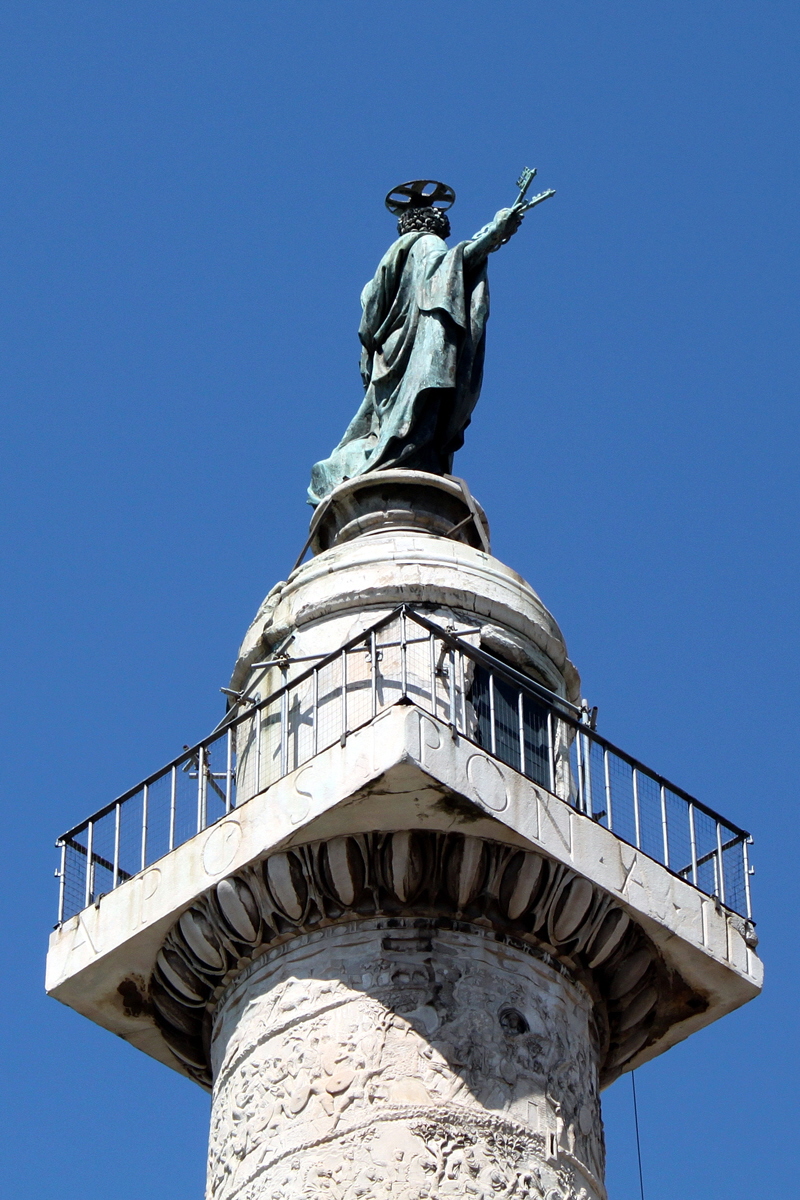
<point x="638" y="1142"/>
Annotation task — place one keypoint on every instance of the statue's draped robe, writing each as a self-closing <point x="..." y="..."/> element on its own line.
<point x="422" y="333"/>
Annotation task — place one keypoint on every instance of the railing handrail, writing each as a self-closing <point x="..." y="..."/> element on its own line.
<point x="225" y="725"/>
<point x="562" y="707"/>
<point x="518" y="678"/>
<point x="559" y="703"/>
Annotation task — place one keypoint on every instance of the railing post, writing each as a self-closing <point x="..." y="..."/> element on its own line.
<point x="521" y="723"/>
<point x="373" y="650"/>
<point x="284" y="719"/>
<point x="201" y="778"/>
<point x="492" y="731"/>
<point x="87" y="897"/>
<point x="747" y="841"/>
<point x="693" y="844"/>
<point x="607" y="779"/>
<point x="452" y="693"/>
<point x="145" y="800"/>
<point x="257" y="742"/>
<point x="579" y="770"/>
<point x="664" y="830"/>
<point x="343" y="736"/>
<point x="551" y="750"/>
<point x="315" y="707"/>
<point x="462" y="687"/>
<point x="432" y="669"/>
<point x="588" y="797"/>
<point x="403" y="655"/>
<point x="62" y="880"/>
<point x="228" y="769"/>
<point x="636" y="817"/>
<point x="117" y="831"/>
<point x="173" y="805"/>
<point x="721" y="864"/>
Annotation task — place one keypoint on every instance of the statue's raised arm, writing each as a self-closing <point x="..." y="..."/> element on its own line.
<point x="422" y="335"/>
<point x="506" y="222"/>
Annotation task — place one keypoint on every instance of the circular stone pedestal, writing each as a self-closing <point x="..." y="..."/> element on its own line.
<point x="405" y="1058"/>
<point x="383" y="501"/>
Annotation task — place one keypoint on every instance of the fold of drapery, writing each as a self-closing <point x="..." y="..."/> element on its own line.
<point x="422" y="334"/>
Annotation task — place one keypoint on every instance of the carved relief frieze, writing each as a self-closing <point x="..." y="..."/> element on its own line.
<point x="410" y="1059"/>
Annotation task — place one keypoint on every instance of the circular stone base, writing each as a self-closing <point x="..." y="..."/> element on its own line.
<point x="402" y="1058"/>
<point x="399" y="500"/>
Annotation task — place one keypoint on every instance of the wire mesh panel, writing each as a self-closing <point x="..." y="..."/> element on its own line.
<point x="131" y="814"/>
<point x="677" y="854"/>
<point x="734" y="866"/>
<point x="536" y="732"/>
<point x="330" y="704"/>
<point x="511" y="725"/>
<point x="415" y="673"/>
<point x="247" y="750"/>
<point x="158" y="823"/>
<point x="299" y="714"/>
<point x="441" y="692"/>
<point x="392" y="664"/>
<point x="619" y="794"/>
<point x="481" y="703"/>
<point x="651" y="837"/>
<point x="707" y="853"/>
<point x="220" y="775"/>
<point x="101" y="866"/>
<point x="273" y="740"/>
<point x="359" y="670"/>
<point x="597" y="803"/>
<point x="508" y="739"/>
<point x="565" y="761"/>
<point x="74" y="881"/>
<point x="184" y="785"/>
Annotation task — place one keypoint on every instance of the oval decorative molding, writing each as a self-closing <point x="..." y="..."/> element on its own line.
<point x="538" y="903"/>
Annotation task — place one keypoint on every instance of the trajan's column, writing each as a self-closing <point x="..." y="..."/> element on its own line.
<point x="405" y="912"/>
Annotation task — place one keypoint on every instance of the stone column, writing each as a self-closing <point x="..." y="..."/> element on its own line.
<point x="414" y="1014"/>
<point x="407" y="1058"/>
<point x="403" y="967"/>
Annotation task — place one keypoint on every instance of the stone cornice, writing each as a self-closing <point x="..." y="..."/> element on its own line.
<point x="520" y="895"/>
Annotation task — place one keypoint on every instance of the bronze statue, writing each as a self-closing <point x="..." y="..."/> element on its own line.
<point x="422" y="335"/>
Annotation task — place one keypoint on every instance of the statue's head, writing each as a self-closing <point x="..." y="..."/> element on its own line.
<point x="425" y="220"/>
<point x="420" y="206"/>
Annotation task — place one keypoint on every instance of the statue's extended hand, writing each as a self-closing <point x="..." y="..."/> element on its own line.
<point x="508" y="221"/>
<point x="503" y="226"/>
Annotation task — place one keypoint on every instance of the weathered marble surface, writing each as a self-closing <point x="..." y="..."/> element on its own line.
<point x="411" y="501"/>
<point x="411" y="1061"/>
<point x="349" y="587"/>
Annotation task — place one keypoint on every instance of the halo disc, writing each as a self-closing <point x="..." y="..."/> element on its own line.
<point x="420" y="193"/>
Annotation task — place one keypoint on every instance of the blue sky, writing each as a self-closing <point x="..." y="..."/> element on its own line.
<point x="191" y="202"/>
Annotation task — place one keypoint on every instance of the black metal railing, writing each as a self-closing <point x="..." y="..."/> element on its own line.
<point x="404" y="657"/>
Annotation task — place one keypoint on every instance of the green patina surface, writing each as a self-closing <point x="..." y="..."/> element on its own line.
<point x="422" y="334"/>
